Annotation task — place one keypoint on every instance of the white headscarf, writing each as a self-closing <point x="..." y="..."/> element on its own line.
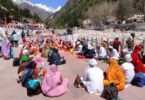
<point x="93" y="63"/>
<point x="128" y="58"/>
<point x="25" y="52"/>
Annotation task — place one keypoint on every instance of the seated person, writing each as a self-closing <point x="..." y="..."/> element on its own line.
<point x="91" y="53"/>
<point x="128" y="68"/>
<point x="93" y="78"/>
<point x="55" y="58"/>
<point x="138" y="64"/>
<point x="113" y="53"/>
<point x="24" y="57"/>
<point x="79" y="47"/>
<point x="53" y="84"/>
<point x="101" y="52"/>
<point x="114" y="74"/>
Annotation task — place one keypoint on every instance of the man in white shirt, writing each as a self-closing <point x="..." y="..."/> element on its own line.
<point x="101" y="52"/>
<point x="113" y="53"/>
<point x="128" y="68"/>
<point x="93" y="78"/>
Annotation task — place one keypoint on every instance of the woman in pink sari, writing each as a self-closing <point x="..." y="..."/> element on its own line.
<point x="53" y="84"/>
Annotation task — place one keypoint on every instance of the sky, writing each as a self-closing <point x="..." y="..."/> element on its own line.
<point x="48" y="5"/>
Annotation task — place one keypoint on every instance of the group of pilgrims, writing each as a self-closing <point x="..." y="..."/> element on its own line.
<point x="37" y="77"/>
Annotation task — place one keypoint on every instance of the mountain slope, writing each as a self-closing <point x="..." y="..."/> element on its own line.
<point x="43" y="14"/>
<point x="75" y="11"/>
<point x="10" y="11"/>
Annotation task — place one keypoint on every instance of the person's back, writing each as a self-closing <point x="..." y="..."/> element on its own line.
<point x="53" y="84"/>
<point x="130" y="43"/>
<point x="55" y="58"/>
<point x="95" y="79"/>
<point x="15" y="37"/>
<point x="116" y="44"/>
<point x="129" y="71"/>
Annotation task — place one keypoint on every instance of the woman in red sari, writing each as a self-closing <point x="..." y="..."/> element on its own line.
<point x="139" y="66"/>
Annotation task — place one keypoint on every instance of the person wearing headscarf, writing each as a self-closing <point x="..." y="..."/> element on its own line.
<point x="139" y="66"/>
<point x="114" y="74"/>
<point x="55" y="57"/>
<point x="24" y="58"/>
<point x="128" y="68"/>
<point x="6" y="47"/>
<point x="53" y="84"/>
<point x="93" y="78"/>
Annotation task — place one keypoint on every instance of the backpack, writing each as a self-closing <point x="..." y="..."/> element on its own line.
<point x="110" y="92"/>
<point x="16" y="62"/>
<point x="33" y="83"/>
<point x="33" y="87"/>
<point x="27" y="75"/>
<point x="139" y="79"/>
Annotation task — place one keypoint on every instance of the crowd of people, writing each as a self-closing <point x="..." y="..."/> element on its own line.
<point x="36" y="77"/>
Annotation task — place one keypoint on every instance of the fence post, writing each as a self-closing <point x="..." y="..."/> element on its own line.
<point x="144" y="46"/>
<point x="96" y="41"/>
<point x="101" y="40"/>
<point x="92" y="41"/>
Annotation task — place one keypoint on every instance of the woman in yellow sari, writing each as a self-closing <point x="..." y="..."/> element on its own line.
<point x="114" y="74"/>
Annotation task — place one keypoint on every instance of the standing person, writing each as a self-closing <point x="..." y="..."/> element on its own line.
<point x="28" y="33"/>
<point x="6" y="47"/>
<point x="23" y="36"/>
<point x="11" y="39"/>
<point x="130" y="42"/>
<point x="116" y="44"/>
<point x="15" y="38"/>
<point x="1" y="39"/>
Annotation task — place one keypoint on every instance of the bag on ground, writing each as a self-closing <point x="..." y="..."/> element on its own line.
<point x="16" y="62"/>
<point x="110" y="92"/>
<point x="139" y="80"/>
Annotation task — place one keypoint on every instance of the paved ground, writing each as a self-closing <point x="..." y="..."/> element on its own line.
<point x="10" y="90"/>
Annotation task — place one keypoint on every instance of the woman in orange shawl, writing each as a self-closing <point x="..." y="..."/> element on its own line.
<point x="115" y="75"/>
<point x="36" y="50"/>
<point x="139" y="66"/>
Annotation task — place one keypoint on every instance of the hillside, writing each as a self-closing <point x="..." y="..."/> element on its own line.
<point x="43" y="14"/>
<point x="10" y="11"/>
<point x="75" y="11"/>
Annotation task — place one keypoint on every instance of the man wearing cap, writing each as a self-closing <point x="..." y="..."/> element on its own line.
<point x="128" y="68"/>
<point x="101" y="52"/>
<point x="93" y="78"/>
<point x="112" y="53"/>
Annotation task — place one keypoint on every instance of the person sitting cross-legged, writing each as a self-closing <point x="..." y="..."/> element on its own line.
<point x="93" y="78"/>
